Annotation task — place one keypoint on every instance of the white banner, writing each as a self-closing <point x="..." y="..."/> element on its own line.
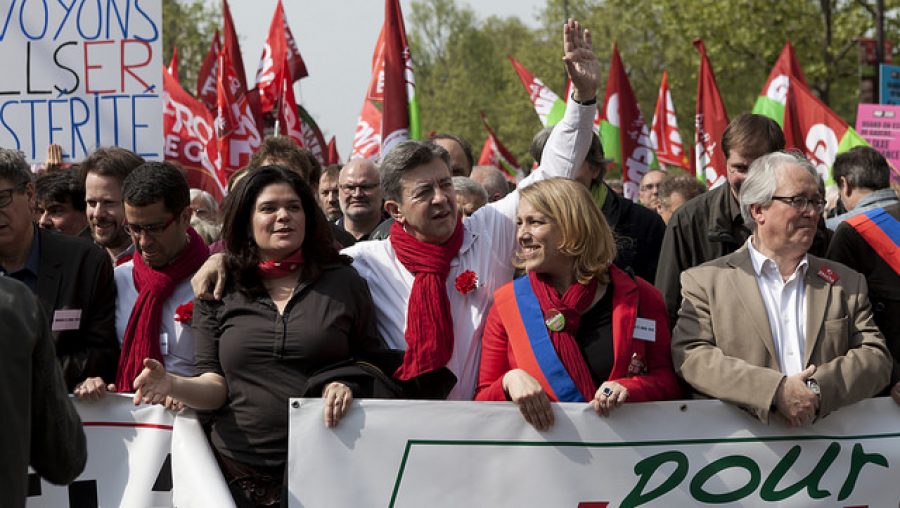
<point x="134" y="454"/>
<point x="686" y="453"/>
<point x="81" y="74"/>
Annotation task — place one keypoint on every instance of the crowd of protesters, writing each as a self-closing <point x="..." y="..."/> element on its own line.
<point x="398" y="278"/>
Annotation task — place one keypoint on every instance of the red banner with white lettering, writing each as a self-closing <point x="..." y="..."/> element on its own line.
<point x="711" y="121"/>
<point x="664" y="133"/>
<point x="269" y="75"/>
<point x="209" y="71"/>
<point x="237" y="129"/>
<point x="190" y="138"/>
<point x="367" y="136"/>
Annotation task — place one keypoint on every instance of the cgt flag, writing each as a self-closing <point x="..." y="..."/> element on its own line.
<point x="270" y="74"/>
<point x="771" y="100"/>
<point x="664" y="131"/>
<point x="817" y="131"/>
<point x="367" y="137"/>
<point x="495" y="154"/>
<point x="209" y="71"/>
<point x="711" y="121"/>
<point x="400" y="109"/>
<point x="288" y="119"/>
<point x="190" y="138"/>
<point x="548" y="106"/>
<point x="236" y="126"/>
<point x="623" y="132"/>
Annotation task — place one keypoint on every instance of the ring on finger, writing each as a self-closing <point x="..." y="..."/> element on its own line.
<point x="607" y="391"/>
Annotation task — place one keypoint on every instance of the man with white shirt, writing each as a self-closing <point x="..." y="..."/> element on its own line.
<point x="154" y="301"/>
<point x="774" y="329"/>
<point x="421" y="278"/>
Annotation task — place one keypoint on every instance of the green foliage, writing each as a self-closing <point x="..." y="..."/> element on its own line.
<point x="190" y="26"/>
<point x="461" y="64"/>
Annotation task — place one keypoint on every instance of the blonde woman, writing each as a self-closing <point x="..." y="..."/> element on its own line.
<point x="575" y="328"/>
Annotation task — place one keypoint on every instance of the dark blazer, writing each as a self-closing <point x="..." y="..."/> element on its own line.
<point x="76" y="274"/>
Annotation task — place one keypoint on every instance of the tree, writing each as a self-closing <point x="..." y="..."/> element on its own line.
<point x="190" y="27"/>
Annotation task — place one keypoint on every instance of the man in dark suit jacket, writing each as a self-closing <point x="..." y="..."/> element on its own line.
<point x="72" y="278"/>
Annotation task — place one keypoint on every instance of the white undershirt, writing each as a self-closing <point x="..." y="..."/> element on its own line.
<point x="785" y="303"/>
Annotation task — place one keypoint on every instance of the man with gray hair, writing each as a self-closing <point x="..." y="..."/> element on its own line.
<point x="470" y="195"/>
<point x="774" y="329"/>
<point x="72" y="278"/>
<point x="492" y="180"/>
<point x="863" y="177"/>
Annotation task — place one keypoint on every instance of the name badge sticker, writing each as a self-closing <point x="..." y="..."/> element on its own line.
<point x="645" y="329"/>
<point x="69" y="319"/>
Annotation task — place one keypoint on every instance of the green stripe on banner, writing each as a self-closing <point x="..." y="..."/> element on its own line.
<point x="556" y="112"/>
<point x="609" y="139"/>
<point x="770" y="108"/>
<point x="851" y="139"/>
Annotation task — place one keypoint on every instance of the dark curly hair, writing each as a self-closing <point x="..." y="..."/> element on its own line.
<point x="242" y="253"/>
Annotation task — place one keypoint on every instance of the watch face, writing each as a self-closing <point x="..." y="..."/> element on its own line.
<point x="813" y="386"/>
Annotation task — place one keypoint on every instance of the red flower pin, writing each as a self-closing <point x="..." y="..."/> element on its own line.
<point x="467" y="282"/>
<point x="184" y="313"/>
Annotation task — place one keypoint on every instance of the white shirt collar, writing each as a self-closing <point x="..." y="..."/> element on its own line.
<point x="761" y="263"/>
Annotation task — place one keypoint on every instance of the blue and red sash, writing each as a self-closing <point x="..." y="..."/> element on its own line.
<point x="882" y="231"/>
<point x="523" y="319"/>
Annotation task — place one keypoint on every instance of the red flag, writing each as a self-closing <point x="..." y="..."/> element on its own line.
<point x="190" y="138"/>
<point x="235" y="122"/>
<point x="395" y="108"/>
<point x="772" y="98"/>
<point x="664" y="131"/>
<point x="623" y="131"/>
<point x="813" y="128"/>
<point x="367" y="137"/>
<point x="295" y="61"/>
<point x="206" y="78"/>
<point x="173" y="64"/>
<point x="711" y="120"/>
<point x="287" y="111"/>
<point x="233" y="48"/>
<point x="495" y="154"/>
<point x="333" y="157"/>
<point x="269" y="75"/>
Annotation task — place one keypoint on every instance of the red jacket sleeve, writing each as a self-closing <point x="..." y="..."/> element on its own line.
<point x="495" y="359"/>
<point x="659" y="383"/>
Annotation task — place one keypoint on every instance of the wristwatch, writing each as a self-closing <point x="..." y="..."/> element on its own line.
<point x="813" y="386"/>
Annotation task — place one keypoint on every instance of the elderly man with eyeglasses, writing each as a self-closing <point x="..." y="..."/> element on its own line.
<point x="771" y="328"/>
<point x="361" y="198"/>
<point x="72" y="277"/>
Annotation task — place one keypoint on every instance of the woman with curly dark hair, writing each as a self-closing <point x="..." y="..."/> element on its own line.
<point x="291" y="323"/>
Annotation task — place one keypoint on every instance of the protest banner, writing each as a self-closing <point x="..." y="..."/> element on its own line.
<point x="879" y="124"/>
<point x="81" y="75"/>
<point x="889" y="84"/>
<point x="680" y="453"/>
<point x="132" y="455"/>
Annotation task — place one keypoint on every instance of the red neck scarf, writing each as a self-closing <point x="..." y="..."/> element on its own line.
<point x="429" y="326"/>
<point x="571" y="305"/>
<point x="154" y="288"/>
<point x="277" y="269"/>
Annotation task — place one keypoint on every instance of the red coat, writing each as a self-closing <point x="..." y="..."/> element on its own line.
<point x="659" y="383"/>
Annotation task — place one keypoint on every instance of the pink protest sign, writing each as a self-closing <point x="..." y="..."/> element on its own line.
<point x="879" y="124"/>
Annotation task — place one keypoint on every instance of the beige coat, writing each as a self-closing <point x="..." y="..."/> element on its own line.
<point x="722" y="344"/>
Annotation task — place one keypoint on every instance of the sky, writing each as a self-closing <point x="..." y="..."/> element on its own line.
<point x="336" y="39"/>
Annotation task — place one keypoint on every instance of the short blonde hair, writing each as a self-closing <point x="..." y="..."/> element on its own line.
<point x="586" y="236"/>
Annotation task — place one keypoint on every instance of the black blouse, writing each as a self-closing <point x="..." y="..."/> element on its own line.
<point x="595" y="338"/>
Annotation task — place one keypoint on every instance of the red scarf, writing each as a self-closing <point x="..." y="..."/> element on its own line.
<point x="154" y="288"/>
<point x="429" y="326"/>
<point x="277" y="269"/>
<point x="571" y="305"/>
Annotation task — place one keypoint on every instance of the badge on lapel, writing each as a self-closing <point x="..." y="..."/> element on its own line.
<point x="637" y="366"/>
<point x="828" y="275"/>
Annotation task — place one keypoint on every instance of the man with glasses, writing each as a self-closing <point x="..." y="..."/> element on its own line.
<point x="72" y="278"/>
<point x="774" y="329"/>
<point x="649" y="190"/>
<point x="361" y="198"/>
<point x="154" y="290"/>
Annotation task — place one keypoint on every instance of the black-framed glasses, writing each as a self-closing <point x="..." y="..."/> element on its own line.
<point x="800" y="203"/>
<point x="364" y="187"/>
<point x="152" y="229"/>
<point x="6" y="195"/>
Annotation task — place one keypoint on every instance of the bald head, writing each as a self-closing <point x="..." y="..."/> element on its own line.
<point x="492" y="180"/>
<point x="361" y="196"/>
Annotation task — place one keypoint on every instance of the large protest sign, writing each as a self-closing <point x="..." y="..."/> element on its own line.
<point x="81" y="74"/>
<point x="879" y="124"/>
<point x="687" y="453"/>
<point x="138" y="456"/>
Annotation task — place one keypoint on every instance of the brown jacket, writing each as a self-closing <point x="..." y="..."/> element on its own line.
<point x="722" y="344"/>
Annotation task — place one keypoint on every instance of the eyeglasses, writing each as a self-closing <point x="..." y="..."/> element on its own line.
<point x="6" y="195"/>
<point x="364" y="187"/>
<point x="649" y="186"/>
<point x="152" y="230"/>
<point x="800" y="203"/>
